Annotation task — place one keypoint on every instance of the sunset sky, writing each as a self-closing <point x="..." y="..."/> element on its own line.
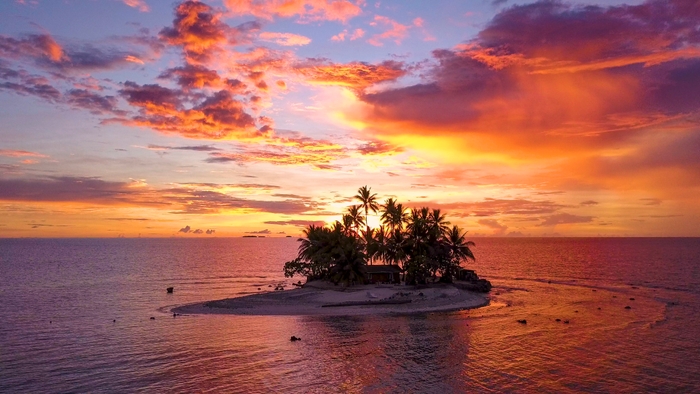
<point x="224" y="118"/>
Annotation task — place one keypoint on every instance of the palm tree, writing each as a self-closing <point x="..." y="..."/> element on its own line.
<point x="348" y="261"/>
<point x="370" y="243"/>
<point x="437" y="222"/>
<point x="368" y="201"/>
<point x="459" y="250"/>
<point x="420" y="242"/>
<point x="389" y="207"/>
<point x="347" y="226"/>
<point x="394" y="215"/>
<point x="356" y="217"/>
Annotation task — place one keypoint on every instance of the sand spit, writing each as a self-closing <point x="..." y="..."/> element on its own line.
<point x="321" y="299"/>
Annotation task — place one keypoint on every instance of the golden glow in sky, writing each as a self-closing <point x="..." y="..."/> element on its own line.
<point x="225" y="118"/>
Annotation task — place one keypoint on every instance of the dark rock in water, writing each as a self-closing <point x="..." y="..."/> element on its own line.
<point x="566" y="322"/>
<point x="170" y="290"/>
<point x="523" y="321"/>
<point x="628" y="307"/>
<point x="294" y="339"/>
<point x="614" y="296"/>
<point x="269" y="285"/>
<point x="258" y="288"/>
<point x="575" y="311"/>
<point x="549" y="281"/>
<point x="595" y="290"/>
<point x="420" y="294"/>
<point x="558" y="320"/>
<point x="153" y="318"/>
<point x="114" y="321"/>
<point x="598" y="308"/>
<point x="635" y="287"/>
<point x="632" y="299"/>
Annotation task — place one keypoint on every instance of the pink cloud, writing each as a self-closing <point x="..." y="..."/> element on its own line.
<point x="356" y="34"/>
<point x="393" y="31"/>
<point x="140" y="4"/>
<point x="285" y="39"/>
<point x="20" y="153"/>
<point x="305" y="10"/>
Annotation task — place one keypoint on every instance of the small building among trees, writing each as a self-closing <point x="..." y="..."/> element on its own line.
<point x="383" y="274"/>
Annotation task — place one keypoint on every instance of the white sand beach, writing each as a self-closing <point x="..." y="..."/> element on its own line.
<point x="319" y="298"/>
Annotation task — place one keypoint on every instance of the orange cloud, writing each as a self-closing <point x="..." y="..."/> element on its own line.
<point x="37" y="45"/>
<point x="198" y="29"/>
<point x="519" y="94"/>
<point x="134" y="59"/>
<point x="306" y="10"/>
<point x="354" y="75"/>
<point x="316" y="155"/>
<point x="216" y="117"/>
<point x="19" y="153"/>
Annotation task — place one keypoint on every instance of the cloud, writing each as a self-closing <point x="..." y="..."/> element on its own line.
<point x="355" y="75"/>
<point x="565" y="218"/>
<point x="394" y="31"/>
<point x="95" y="103"/>
<point x="198" y="29"/>
<point x="266" y="231"/>
<point x="198" y="231"/>
<point x="218" y="116"/>
<point x="24" y="83"/>
<point x="352" y="36"/>
<point x="198" y="148"/>
<point x="185" y="230"/>
<point x="379" y="148"/>
<point x="63" y="63"/>
<point x="20" y="153"/>
<point x="140" y="4"/>
<point x="498" y="229"/>
<point x="193" y="76"/>
<point x="306" y="11"/>
<point x="287" y="195"/>
<point x="210" y="232"/>
<point x="589" y="203"/>
<point x="285" y="39"/>
<point x="613" y="91"/>
<point x="40" y="46"/>
<point x="184" y="199"/>
<point x="281" y="155"/>
<point x="297" y="223"/>
<point x="221" y="186"/>
<point x="494" y="206"/>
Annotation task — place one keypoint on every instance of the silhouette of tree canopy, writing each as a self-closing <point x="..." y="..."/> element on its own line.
<point x="421" y="243"/>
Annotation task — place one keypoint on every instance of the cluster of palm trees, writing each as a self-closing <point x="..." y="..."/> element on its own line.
<point x="419" y="241"/>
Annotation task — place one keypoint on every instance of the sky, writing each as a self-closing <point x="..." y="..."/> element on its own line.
<point x="144" y="118"/>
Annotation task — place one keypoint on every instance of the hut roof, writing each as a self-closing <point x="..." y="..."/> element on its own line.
<point x="383" y="269"/>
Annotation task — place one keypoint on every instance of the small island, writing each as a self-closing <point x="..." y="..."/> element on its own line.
<point x="412" y="263"/>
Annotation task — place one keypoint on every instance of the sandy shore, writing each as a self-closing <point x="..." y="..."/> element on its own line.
<point x="322" y="299"/>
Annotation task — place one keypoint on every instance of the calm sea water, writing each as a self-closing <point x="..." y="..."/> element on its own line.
<point x="75" y="317"/>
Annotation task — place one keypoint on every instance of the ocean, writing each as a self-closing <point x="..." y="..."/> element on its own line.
<point x="76" y="316"/>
